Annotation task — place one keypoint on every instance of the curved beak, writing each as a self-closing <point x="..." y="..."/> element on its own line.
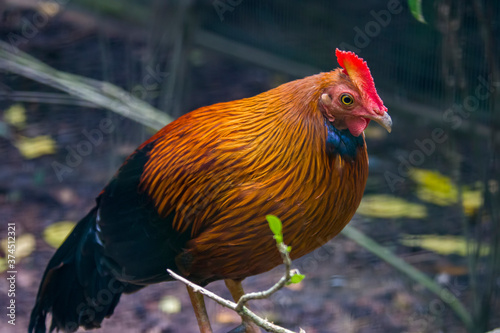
<point x="385" y="121"/>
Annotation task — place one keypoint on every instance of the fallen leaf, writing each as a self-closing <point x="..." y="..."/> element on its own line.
<point x="24" y="245"/>
<point x="15" y="116"/>
<point x="56" y="233"/>
<point x="170" y="304"/>
<point x="35" y="147"/>
<point x="439" y="189"/>
<point x="434" y="187"/>
<point x="442" y="244"/>
<point x="472" y="200"/>
<point x="387" y="206"/>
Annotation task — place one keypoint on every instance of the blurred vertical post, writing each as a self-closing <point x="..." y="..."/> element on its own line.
<point x="172" y="34"/>
<point x="484" y="13"/>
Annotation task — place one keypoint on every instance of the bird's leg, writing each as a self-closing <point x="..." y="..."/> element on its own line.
<point x="200" y="310"/>
<point x="236" y="290"/>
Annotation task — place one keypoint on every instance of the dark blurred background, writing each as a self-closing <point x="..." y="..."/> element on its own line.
<point x="432" y="195"/>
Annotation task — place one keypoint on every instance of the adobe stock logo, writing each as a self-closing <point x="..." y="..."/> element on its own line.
<point x="75" y="154"/>
<point x="373" y="28"/>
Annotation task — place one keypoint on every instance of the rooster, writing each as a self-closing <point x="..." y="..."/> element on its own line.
<point x="193" y="198"/>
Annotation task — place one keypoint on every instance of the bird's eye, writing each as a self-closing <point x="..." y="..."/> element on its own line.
<point x="346" y="99"/>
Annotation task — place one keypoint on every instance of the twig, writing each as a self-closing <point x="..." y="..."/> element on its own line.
<point x="244" y="311"/>
<point x="240" y="307"/>
<point x="280" y="284"/>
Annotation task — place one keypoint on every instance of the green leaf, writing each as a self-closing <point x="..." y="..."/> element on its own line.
<point x="288" y="249"/>
<point x="297" y="278"/>
<point x="279" y="238"/>
<point x="275" y="225"/>
<point x="416" y="10"/>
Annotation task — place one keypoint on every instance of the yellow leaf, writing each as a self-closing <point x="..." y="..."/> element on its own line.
<point x="387" y="206"/>
<point x="56" y="233"/>
<point x="434" y="187"/>
<point x="16" y="116"/>
<point x="444" y="245"/>
<point x="438" y="189"/>
<point x="170" y="304"/>
<point x="472" y="200"/>
<point x="24" y="246"/>
<point x="36" y="147"/>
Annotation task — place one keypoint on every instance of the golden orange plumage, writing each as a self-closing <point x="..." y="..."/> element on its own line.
<point x="260" y="155"/>
<point x="194" y="197"/>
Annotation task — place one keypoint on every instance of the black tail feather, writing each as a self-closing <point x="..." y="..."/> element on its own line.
<point x="77" y="288"/>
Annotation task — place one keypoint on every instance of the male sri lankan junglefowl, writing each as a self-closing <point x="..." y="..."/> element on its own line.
<point x="194" y="197"/>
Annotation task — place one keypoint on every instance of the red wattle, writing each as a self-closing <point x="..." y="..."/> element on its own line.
<point x="357" y="125"/>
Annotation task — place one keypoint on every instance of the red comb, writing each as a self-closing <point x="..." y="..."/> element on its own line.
<point x="357" y="69"/>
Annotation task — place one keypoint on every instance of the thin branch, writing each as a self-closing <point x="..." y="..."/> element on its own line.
<point x="198" y="289"/>
<point x="240" y="307"/>
<point x="244" y="311"/>
<point x="280" y="284"/>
